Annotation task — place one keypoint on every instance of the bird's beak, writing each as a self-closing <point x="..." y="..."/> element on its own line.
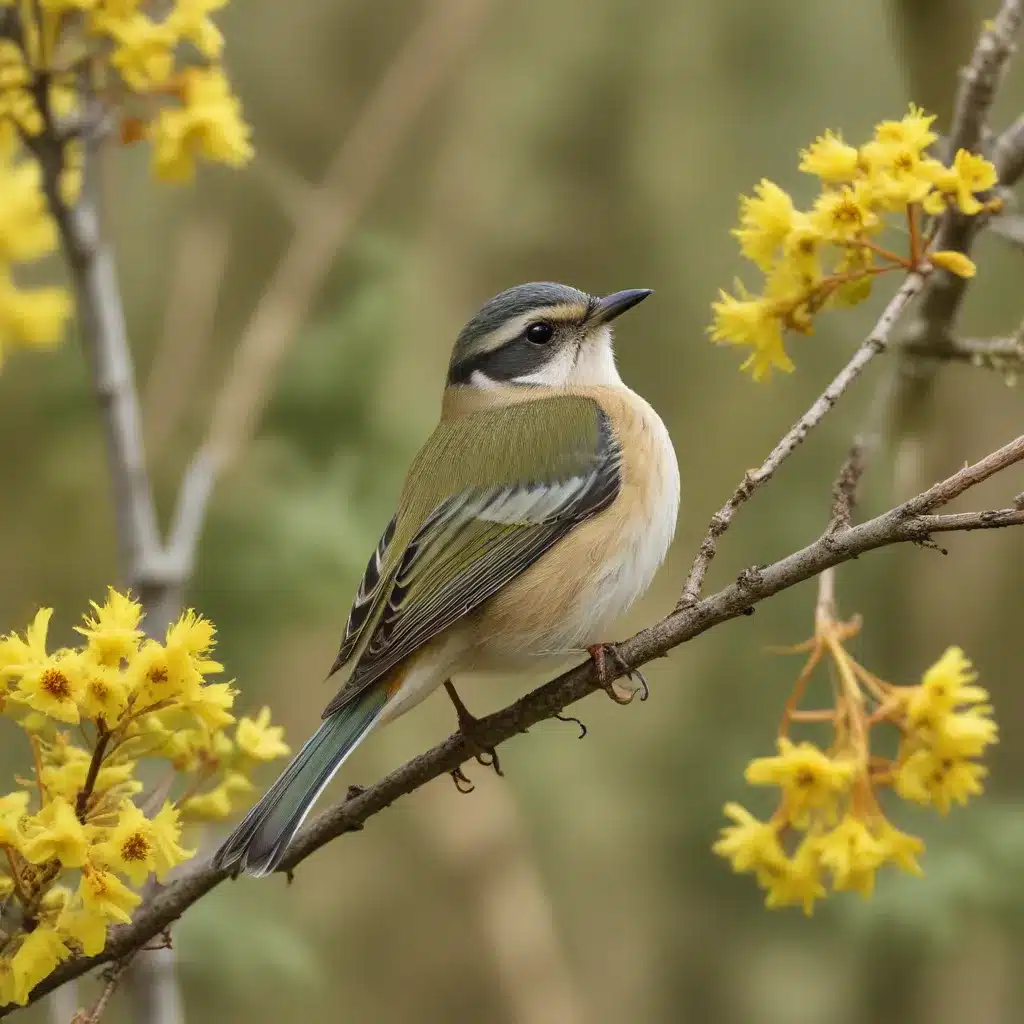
<point x="611" y="306"/>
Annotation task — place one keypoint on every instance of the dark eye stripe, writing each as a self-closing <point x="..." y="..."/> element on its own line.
<point x="516" y="359"/>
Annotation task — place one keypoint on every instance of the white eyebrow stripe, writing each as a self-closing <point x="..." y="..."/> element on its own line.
<point x="512" y="329"/>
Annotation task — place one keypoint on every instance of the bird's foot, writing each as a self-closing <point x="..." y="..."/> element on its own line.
<point x="601" y="654"/>
<point x="469" y="726"/>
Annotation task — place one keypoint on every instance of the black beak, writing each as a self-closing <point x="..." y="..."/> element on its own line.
<point x="611" y="306"/>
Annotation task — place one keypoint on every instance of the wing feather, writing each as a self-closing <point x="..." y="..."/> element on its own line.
<point x="468" y="547"/>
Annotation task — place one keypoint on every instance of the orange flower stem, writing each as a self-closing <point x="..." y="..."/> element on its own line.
<point x="913" y="222"/>
<point x="886" y="254"/>
<point x="824" y="715"/>
<point x="799" y="687"/>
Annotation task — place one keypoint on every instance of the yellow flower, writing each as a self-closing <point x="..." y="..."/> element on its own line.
<point x="211" y="703"/>
<point x="899" y="848"/>
<point x="809" y="778"/>
<point x="766" y="218"/>
<point x="259" y="739"/>
<point x="144" y="50"/>
<point x="32" y="317"/>
<point x="154" y="676"/>
<point x="750" y="844"/>
<point x="56" y="832"/>
<point x="928" y="779"/>
<point x="845" y="214"/>
<point x="166" y="831"/>
<point x="13" y="807"/>
<point x="105" y="694"/>
<point x="53" y="687"/>
<point x="801" y="249"/>
<point x="945" y="686"/>
<point x="969" y="174"/>
<point x="964" y="733"/>
<point x="913" y="131"/>
<point x="190" y="21"/>
<point x="84" y="928"/>
<point x="27" y="231"/>
<point x="113" y="631"/>
<point x="899" y="174"/>
<point x="130" y="849"/>
<point x="40" y="952"/>
<point x="209" y="124"/>
<point x="6" y="888"/>
<point x="852" y="854"/>
<point x="16" y="102"/>
<point x="955" y="262"/>
<point x="216" y="804"/>
<point x="798" y="882"/>
<point x="830" y="159"/>
<point x="16" y="653"/>
<point x="754" y="322"/>
<point x="105" y="895"/>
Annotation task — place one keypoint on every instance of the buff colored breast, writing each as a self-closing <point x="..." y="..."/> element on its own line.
<point x="571" y="597"/>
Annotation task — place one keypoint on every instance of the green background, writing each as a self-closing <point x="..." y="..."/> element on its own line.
<point x="603" y="144"/>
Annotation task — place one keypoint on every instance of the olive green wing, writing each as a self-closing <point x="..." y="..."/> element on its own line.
<point x="549" y="464"/>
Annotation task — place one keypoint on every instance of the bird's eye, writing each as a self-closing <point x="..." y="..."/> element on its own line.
<point x="540" y="333"/>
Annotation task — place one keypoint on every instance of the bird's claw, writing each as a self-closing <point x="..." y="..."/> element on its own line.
<point x="600" y="654"/>
<point x="462" y="782"/>
<point x="469" y="726"/>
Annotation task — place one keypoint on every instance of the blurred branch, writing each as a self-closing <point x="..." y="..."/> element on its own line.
<point x="323" y="219"/>
<point x="914" y="521"/>
<point x="1004" y="354"/>
<point x="875" y="343"/>
<point x="933" y="36"/>
<point x="932" y="329"/>
<point x="491" y="856"/>
<point x="201" y="260"/>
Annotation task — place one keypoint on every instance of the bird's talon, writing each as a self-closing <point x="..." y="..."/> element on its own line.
<point x="599" y="654"/>
<point x="572" y="718"/>
<point x="469" y="726"/>
<point x="462" y="782"/>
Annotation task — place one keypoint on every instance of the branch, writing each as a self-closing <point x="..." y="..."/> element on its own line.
<point x="1000" y="354"/>
<point x="323" y="220"/>
<point x="914" y="521"/>
<point x="90" y="260"/>
<point x="876" y="342"/>
<point x="932" y="328"/>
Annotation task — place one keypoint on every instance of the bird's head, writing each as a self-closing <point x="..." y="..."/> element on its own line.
<point x="542" y="334"/>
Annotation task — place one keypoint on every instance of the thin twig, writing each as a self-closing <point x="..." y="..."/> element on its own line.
<point x="876" y="342"/>
<point x="910" y="522"/>
<point x="201" y="261"/>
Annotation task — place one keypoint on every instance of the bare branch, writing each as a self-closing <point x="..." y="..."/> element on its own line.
<point x="909" y="522"/>
<point x="844" y="490"/>
<point x="876" y="342"/>
<point x="105" y="339"/>
<point x="1000" y="354"/>
<point x="1008" y="153"/>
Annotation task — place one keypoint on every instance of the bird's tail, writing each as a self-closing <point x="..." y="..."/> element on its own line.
<point x="259" y="842"/>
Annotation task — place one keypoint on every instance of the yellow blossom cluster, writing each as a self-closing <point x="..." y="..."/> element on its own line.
<point x="154" y="65"/>
<point x="829" y="255"/>
<point x="829" y="830"/>
<point x="80" y="837"/>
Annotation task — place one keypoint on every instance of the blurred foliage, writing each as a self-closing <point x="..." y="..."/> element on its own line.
<point x="603" y="144"/>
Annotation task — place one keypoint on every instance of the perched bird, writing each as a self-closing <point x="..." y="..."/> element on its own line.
<point x="538" y="510"/>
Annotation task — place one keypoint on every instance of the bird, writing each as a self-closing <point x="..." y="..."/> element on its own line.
<point x="535" y="514"/>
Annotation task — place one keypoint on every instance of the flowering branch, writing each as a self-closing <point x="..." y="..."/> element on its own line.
<point x="914" y="521"/>
<point x="876" y="342"/>
<point x="931" y="330"/>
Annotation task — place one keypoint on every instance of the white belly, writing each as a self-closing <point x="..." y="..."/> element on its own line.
<point x="645" y="539"/>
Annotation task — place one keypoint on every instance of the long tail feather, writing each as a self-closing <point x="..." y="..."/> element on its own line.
<point x="261" y="839"/>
